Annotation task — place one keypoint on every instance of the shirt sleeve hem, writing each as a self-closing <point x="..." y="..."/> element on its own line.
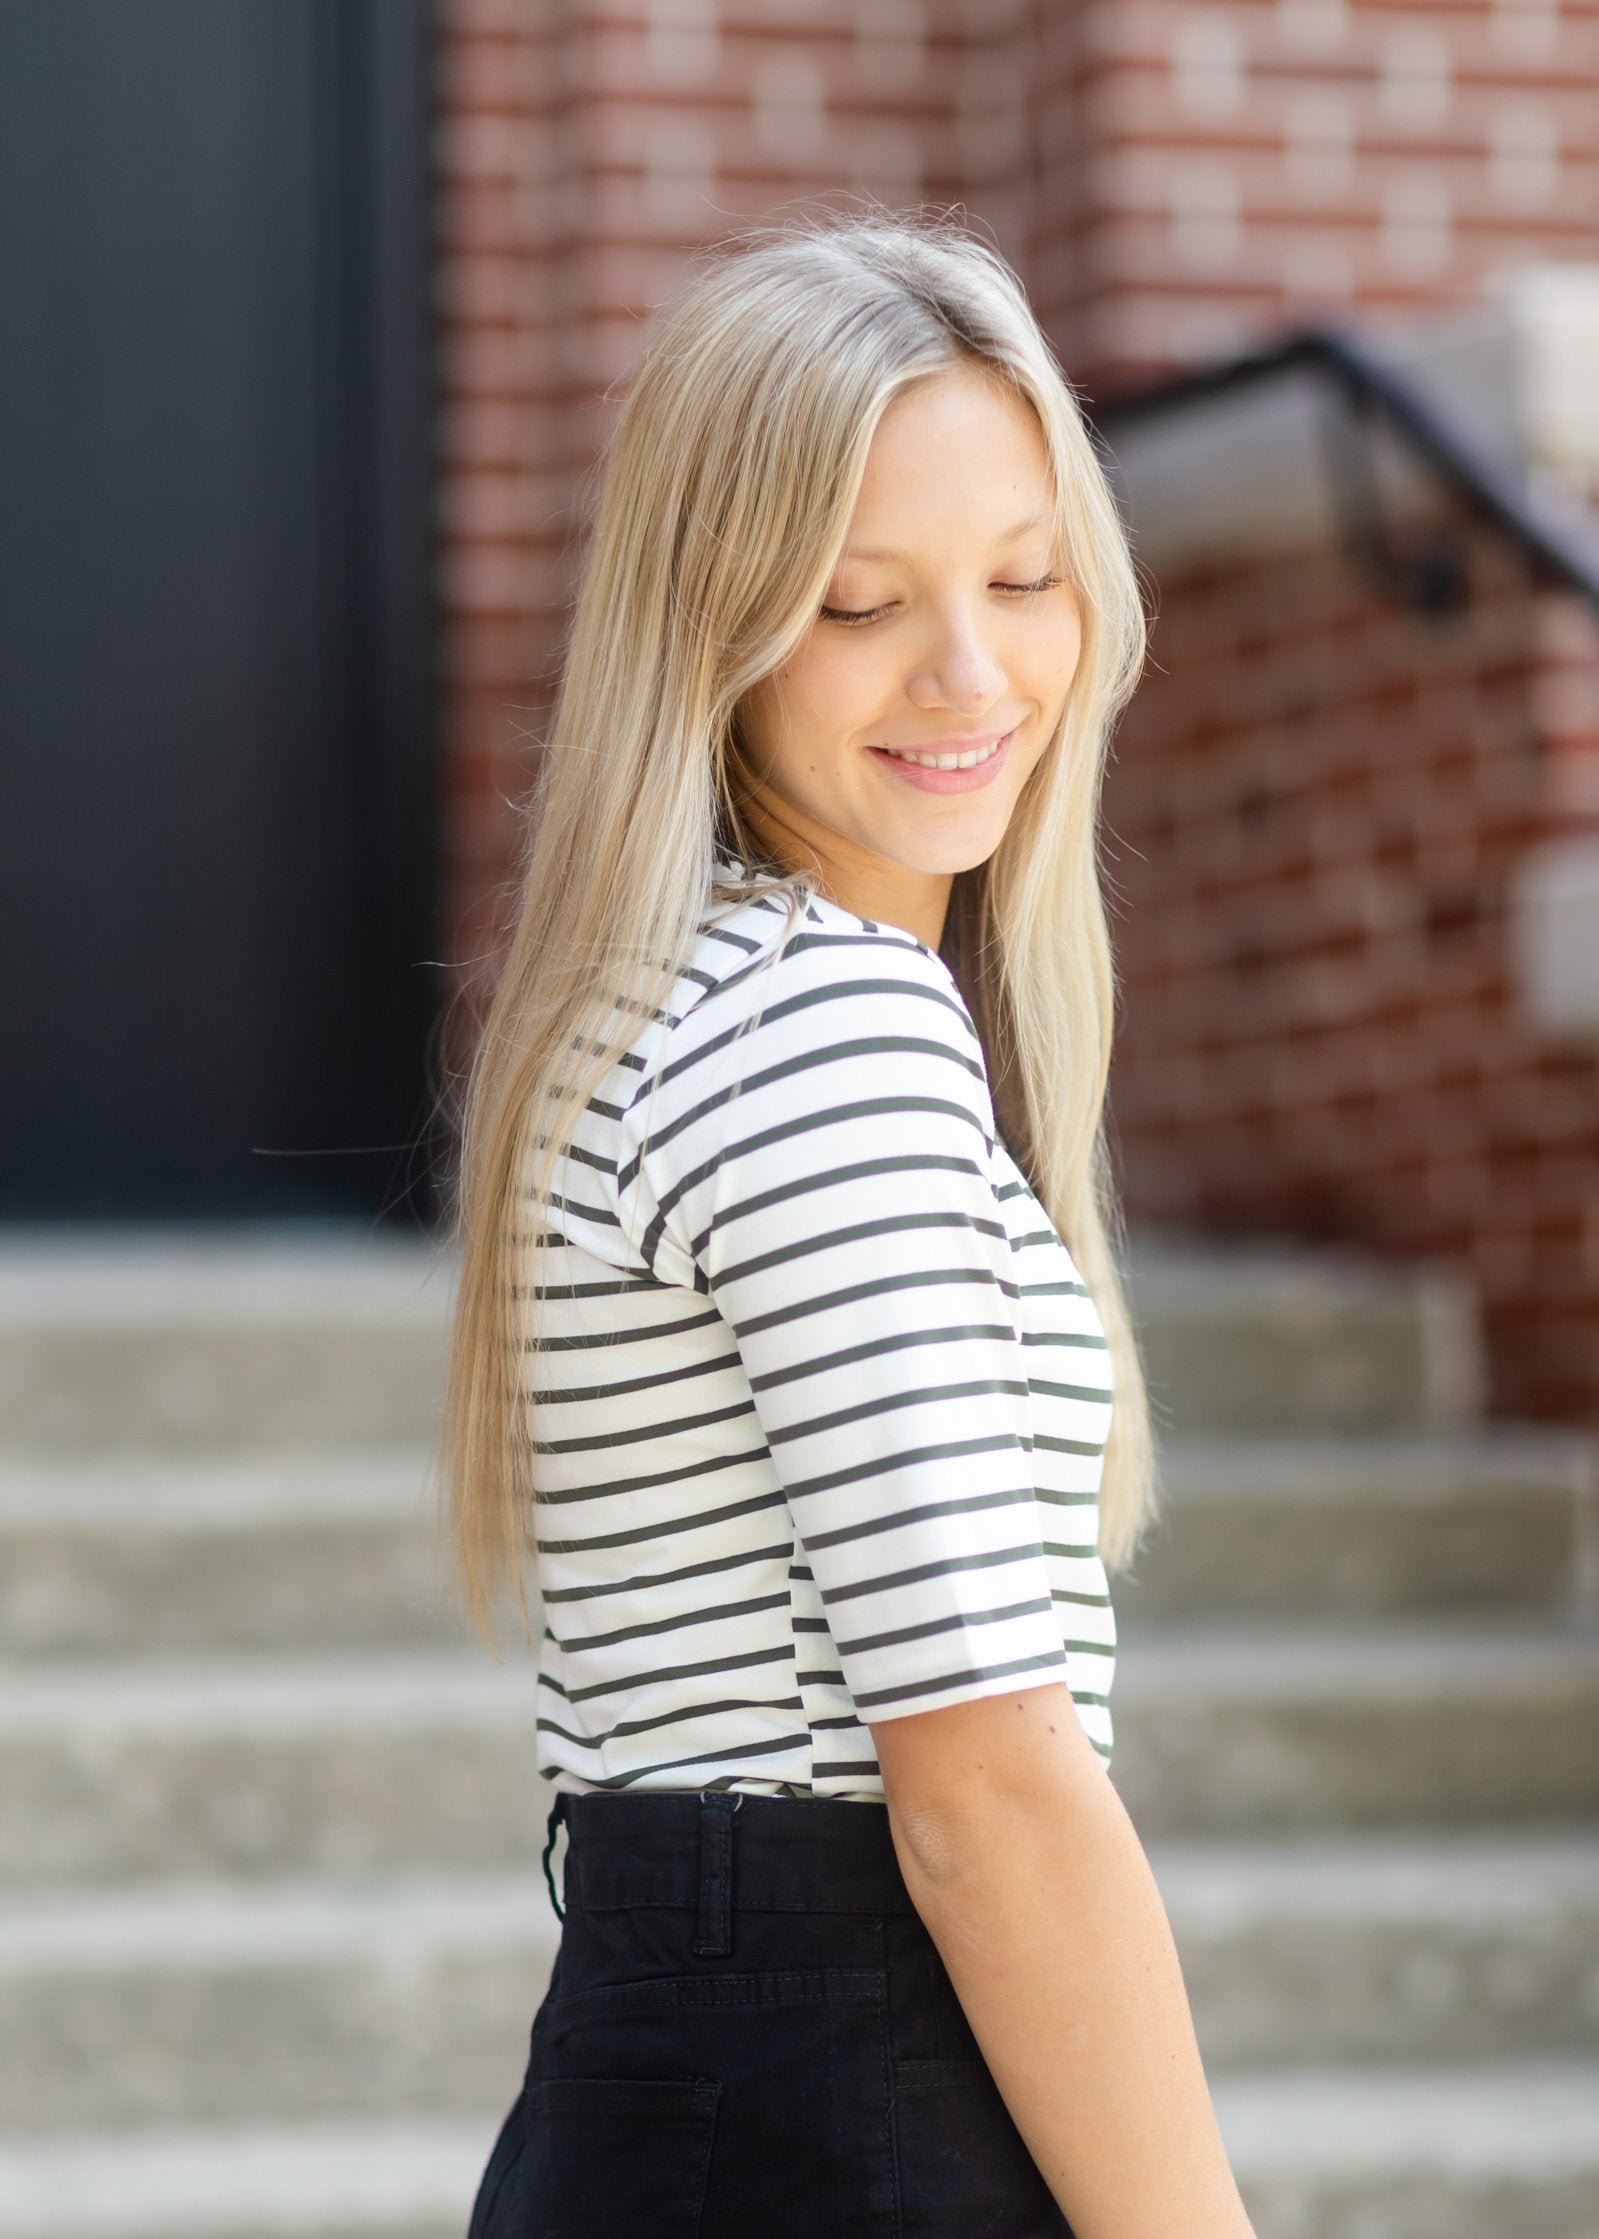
<point x="963" y="1687"/>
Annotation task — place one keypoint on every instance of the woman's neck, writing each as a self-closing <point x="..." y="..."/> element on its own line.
<point x="858" y="880"/>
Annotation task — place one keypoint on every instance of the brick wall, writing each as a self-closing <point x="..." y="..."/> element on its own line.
<point x="1316" y="814"/>
<point x="1320" y="801"/>
<point x="1171" y="177"/>
<point x="582" y="155"/>
<point x="1219" y="171"/>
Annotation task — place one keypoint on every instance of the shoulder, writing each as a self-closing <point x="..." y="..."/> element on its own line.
<point x="822" y="984"/>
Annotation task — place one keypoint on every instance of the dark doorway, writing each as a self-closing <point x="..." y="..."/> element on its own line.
<point x="217" y="839"/>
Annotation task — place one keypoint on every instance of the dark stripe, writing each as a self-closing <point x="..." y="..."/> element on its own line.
<point x="927" y="1396"/>
<point x="784" y="1744"/>
<point x="788" y="1069"/>
<point x="702" y="1522"/>
<point x="630" y="1283"/>
<point x="950" y="1450"/>
<point x="847" y="989"/>
<point x="892" y="1580"/>
<point x="943" y="1684"/>
<point x="898" y="1341"/>
<point x="880" y="1287"/>
<point x="783" y="1136"/>
<point x="641" y="1582"/>
<point x="647" y="1630"/>
<point x="870" y="1526"/>
<point x="861" y="1232"/>
<point x="804" y="1185"/>
<point x="653" y="1380"/>
<point x="567" y="1496"/>
<point x="641" y="1333"/>
<point x="625" y="1728"/>
<point x="679" y="1672"/>
<point x="931" y="1627"/>
<point x="603" y="1441"/>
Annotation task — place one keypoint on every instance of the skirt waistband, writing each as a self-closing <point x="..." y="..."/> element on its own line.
<point x="720" y="1852"/>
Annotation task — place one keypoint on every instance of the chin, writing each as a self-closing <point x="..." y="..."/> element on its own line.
<point x="948" y="856"/>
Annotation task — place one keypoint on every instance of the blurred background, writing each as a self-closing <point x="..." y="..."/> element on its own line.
<point x="315" y="317"/>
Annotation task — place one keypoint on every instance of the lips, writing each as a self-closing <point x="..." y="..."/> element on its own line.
<point x="929" y="777"/>
<point x="946" y="757"/>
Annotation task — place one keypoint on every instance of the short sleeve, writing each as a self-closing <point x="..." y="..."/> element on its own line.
<point x="829" y="1176"/>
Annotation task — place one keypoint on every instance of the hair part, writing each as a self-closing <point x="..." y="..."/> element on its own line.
<point x="727" y="494"/>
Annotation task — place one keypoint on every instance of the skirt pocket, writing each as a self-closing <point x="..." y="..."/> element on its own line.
<point x="964" y="2169"/>
<point x="604" y="2154"/>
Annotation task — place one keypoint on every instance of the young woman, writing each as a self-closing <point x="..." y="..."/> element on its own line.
<point x="789" y="1335"/>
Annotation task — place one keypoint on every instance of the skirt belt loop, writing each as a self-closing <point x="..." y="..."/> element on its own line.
<point x="715" y="1938"/>
<point x="557" y="1815"/>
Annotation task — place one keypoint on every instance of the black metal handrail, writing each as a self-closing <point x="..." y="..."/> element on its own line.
<point x="1373" y="388"/>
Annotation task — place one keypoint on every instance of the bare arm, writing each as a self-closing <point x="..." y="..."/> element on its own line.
<point x="1021" y="1859"/>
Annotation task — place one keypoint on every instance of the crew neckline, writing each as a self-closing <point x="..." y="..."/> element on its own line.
<point x="764" y="874"/>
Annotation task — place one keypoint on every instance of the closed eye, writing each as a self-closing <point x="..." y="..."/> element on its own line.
<point x="852" y="614"/>
<point x="857" y="615"/>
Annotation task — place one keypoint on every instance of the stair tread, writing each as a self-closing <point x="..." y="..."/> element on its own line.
<point x="1418" y="1464"/>
<point x="191" y="1923"/>
<point x="1292" y="1660"/>
<point x="1476" y="1877"/>
<point x="1538" y="2119"/>
<point x="222" y="1493"/>
<point x="168" y="2184"/>
<point x="1532" y="2120"/>
<point x="94" y="1279"/>
<point x="1222" y="1880"/>
<point x="231" y="1490"/>
<point x="1301" y="1659"/>
<point x="266" y="1694"/>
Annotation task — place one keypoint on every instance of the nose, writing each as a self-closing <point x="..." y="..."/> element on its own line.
<point x="959" y="672"/>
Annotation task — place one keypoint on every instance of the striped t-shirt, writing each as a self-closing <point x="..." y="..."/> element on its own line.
<point x="821" y="1402"/>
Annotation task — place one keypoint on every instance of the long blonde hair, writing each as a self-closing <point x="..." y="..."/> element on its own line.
<point x="727" y="494"/>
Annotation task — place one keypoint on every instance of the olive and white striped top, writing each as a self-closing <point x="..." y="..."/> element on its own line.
<point x="821" y="1402"/>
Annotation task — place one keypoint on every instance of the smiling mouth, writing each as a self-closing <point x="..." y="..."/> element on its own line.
<point x="954" y="758"/>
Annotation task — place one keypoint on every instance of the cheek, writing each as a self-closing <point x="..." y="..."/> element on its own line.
<point x="1051" y="664"/>
<point x="837" y="686"/>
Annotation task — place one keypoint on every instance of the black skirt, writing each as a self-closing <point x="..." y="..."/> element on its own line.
<point x="750" y="2035"/>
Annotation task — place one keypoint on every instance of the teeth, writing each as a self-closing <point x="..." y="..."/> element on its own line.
<point x="968" y="761"/>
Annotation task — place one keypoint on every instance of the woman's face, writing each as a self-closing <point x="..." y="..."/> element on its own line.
<point x="946" y="631"/>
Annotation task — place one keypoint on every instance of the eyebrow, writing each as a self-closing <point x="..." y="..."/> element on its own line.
<point x="1033" y="521"/>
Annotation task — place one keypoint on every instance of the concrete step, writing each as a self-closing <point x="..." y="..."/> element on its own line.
<point x="147" y="1555"/>
<point x="411" y="2177"/>
<point x="267" y="1765"/>
<point x="1342" y="1948"/>
<point x="1268" y="1337"/>
<point x="1303" y="1727"/>
<point x="328" y="1335"/>
<point x="270" y="1340"/>
<point x="262" y="1765"/>
<point x="1460" y="2152"/>
<point x="215" y="2002"/>
<point x="1490" y="1517"/>
<point x="337" y="1549"/>
<point x="1507" y="2151"/>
